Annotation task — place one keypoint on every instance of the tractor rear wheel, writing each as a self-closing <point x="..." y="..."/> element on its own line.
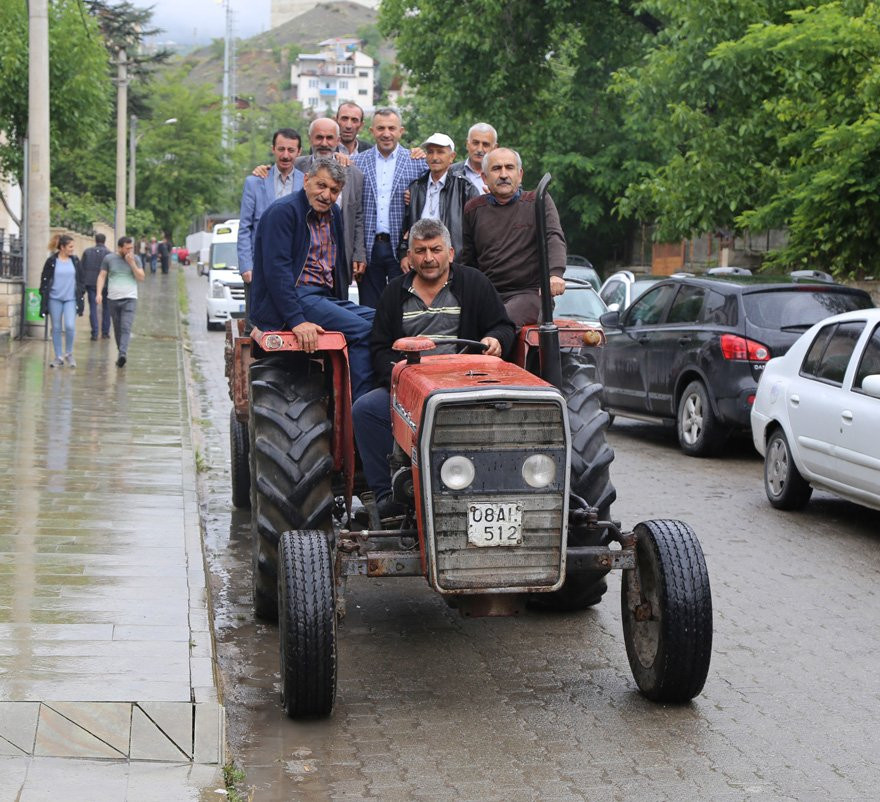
<point x="240" y="471"/>
<point x="307" y="624"/>
<point x="667" y="625"/>
<point x="591" y="457"/>
<point x="290" y="464"/>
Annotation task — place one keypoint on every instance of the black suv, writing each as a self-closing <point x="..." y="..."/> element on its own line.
<point x="692" y="349"/>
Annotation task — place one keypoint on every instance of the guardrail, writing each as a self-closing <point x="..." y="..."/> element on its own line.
<point x="11" y="256"/>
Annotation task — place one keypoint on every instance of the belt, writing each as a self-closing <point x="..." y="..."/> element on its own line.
<point x="383" y="237"/>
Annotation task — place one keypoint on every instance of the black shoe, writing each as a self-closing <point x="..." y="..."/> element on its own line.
<point x="94" y="337"/>
<point x="120" y="363"/>
<point x="106" y="336"/>
<point x="390" y="511"/>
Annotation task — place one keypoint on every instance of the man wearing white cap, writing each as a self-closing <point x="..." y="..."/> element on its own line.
<point x="437" y="194"/>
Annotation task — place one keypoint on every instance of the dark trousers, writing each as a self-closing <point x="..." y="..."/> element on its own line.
<point x="371" y="414"/>
<point x="92" y="293"/>
<point x="355" y="322"/>
<point x="382" y="266"/>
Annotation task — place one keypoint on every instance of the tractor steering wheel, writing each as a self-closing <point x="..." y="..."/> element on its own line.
<point x="463" y="342"/>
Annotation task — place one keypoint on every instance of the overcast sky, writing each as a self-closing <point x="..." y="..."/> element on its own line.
<point x="187" y="21"/>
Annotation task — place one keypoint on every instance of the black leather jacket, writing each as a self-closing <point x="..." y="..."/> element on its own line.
<point x="48" y="276"/>
<point x="456" y="192"/>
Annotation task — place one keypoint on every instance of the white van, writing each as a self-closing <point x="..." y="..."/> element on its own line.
<point x="225" y="285"/>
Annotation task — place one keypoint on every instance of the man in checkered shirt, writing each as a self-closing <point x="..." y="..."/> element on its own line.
<point x="388" y="170"/>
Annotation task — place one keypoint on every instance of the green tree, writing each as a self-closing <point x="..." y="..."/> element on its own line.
<point x="763" y="115"/>
<point x="539" y="74"/>
<point x="181" y="170"/>
<point x="78" y="80"/>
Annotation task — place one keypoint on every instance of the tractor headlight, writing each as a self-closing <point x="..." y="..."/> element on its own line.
<point x="457" y="472"/>
<point x="218" y="289"/>
<point x="539" y="470"/>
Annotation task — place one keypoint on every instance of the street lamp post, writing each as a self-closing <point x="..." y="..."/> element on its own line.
<point x="133" y="139"/>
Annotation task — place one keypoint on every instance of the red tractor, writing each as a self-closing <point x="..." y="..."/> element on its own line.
<point x="505" y="478"/>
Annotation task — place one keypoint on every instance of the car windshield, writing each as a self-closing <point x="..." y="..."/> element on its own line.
<point x="224" y="256"/>
<point x="583" y="273"/>
<point x="798" y="309"/>
<point x="579" y="303"/>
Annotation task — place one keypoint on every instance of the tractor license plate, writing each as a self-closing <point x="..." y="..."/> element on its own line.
<point x="494" y="524"/>
<point x="241" y="307"/>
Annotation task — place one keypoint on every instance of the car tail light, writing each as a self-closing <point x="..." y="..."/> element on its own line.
<point x="733" y="347"/>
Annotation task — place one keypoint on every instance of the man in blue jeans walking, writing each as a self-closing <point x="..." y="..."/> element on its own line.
<point x="300" y="279"/>
<point x="121" y="271"/>
<point x="92" y="259"/>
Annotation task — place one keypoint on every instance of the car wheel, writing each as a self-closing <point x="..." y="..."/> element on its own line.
<point x="786" y="488"/>
<point x="699" y="432"/>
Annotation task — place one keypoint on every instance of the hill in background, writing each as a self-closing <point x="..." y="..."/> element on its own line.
<point x="263" y="61"/>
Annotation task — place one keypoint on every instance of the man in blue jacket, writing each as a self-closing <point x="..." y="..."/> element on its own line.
<point x="283" y="179"/>
<point x="299" y="280"/>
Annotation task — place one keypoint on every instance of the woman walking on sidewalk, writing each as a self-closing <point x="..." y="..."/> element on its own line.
<point x="62" y="285"/>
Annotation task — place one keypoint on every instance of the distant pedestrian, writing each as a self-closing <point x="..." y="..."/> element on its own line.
<point x="121" y="271"/>
<point x="165" y="253"/>
<point x="154" y="254"/>
<point x="142" y="251"/>
<point x="61" y="295"/>
<point x="91" y="263"/>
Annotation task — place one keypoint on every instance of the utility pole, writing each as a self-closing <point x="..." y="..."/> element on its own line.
<point x="228" y="80"/>
<point x="121" y="118"/>
<point x="36" y="226"/>
<point x="132" y="159"/>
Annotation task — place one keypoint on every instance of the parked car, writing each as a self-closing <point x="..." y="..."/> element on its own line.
<point x="816" y="417"/>
<point x="691" y="350"/>
<point x="580" y="301"/>
<point x="623" y="287"/>
<point x="580" y="268"/>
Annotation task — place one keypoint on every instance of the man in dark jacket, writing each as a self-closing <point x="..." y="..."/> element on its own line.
<point x="440" y="299"/>
<point x="300" y="279"/>
<point x="437" y="194"/>
<point x="91" y="263"/>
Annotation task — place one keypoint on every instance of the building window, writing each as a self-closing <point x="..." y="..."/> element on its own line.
<point x="363" y="74"/>
<point x="313" y="83"/>
<point x="343" y="84"/>
<point x="313" y="102"/>
<point x="362" y="91"/>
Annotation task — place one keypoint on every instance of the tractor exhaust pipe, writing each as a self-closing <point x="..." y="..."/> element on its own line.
<point x="548" y="334"/>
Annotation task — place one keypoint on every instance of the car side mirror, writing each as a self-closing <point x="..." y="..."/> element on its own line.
<point x="871" y="385"/>
<point x="610" y="320"/>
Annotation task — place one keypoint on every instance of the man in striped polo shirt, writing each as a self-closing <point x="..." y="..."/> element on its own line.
<point x="440" y="299"/>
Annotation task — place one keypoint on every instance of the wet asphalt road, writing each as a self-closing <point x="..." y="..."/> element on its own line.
<point x="432" y="706"/>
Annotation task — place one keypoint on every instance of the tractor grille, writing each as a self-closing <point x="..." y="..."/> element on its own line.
<point x="497" y="437"/>
<point x="237" y="293"/>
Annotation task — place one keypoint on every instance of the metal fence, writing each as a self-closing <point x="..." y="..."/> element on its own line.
<point x="11" y="257"/>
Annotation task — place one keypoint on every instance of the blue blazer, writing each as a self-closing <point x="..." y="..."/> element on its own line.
<point x="280" y="252"/>
<point x="258" y="195"/>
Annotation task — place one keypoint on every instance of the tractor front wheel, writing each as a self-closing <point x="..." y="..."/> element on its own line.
<point x="307" y="624"/>
<point x="666" y="606"/>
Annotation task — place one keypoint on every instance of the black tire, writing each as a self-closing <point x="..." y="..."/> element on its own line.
<point x="239" y="464"/>
<point x="699" y="431"/>
<point x="785" y="487"/>
<point x="591" y="457"/>
<point x="669" y="652"/>
<point x="290" y="465"/>
<point x="307" y="624"/>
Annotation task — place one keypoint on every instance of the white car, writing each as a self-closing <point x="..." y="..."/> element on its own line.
<point x="816" y="416"/>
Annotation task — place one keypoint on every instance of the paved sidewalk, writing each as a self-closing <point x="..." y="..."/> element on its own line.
<point x="105" y="641"/>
